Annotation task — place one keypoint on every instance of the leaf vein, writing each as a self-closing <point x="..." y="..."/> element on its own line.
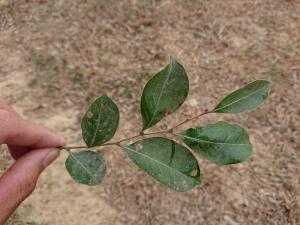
<point x="158" y="162"/>
<point x="85" y="168"/>
<point x="162" y="90"/>
<point x="97" y="124"/>
<point x="210" y="142"/>
<point x="218" y="109"/>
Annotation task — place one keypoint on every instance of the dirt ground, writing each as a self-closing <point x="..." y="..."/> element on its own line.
<point x="56" y="56"/>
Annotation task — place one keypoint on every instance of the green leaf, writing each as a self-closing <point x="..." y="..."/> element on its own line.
<point x="86" y="167"/>
<point x="246" y="98"/>
<point x="100" y="122"/>
<point x="166" y="161"/>
<point x="164" y="93"/>
<point x="220" y="143"/>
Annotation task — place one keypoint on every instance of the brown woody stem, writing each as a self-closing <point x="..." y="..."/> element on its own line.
<point x="118" y="143"/>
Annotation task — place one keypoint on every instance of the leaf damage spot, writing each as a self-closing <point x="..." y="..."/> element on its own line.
<point x="193" y="173"/>
<point x="184" y="184"/>
<point x="139" y="147"/>
<point x="167" y="112"/>
<point x="89" y="114"/>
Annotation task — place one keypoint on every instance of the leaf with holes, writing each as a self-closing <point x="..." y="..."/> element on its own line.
<point x="100" y="122"/>
<point x="246" y="98"/>
<point x="164" y="93"/>
<point x="166" y="161"/>
<point x="221" y="143"/>
<point x="86" y="167"/>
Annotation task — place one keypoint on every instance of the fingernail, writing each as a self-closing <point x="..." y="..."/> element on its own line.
<point x="51" y="156"/>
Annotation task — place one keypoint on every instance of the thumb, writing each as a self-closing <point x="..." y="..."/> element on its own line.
<point x="20" y="179"/>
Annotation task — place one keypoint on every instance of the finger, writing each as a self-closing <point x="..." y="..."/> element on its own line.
<point x="18" y="132"/>
<point x="17" y="151"/>
<point x="20" y="179"/>
<point x="6" y="107"/>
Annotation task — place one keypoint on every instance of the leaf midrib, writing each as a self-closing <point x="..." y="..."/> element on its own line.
<point x="164" y="165"/>
<point x="210" y="142"/>
<point x="97" y="125"/>
<point x="218" y="109"/>
<point x="160" y="94"/>
<point x="85" y="168"/>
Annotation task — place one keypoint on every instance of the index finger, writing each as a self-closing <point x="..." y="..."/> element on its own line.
<point x="18" y="132"/>
<point x="6" y="107"/>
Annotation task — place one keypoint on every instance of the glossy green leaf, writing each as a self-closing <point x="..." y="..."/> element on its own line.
<point x="166" y="161"/>
<point x="100" y="122"/>
<point x="164" y="93"/>
<point x="221" y="143"/>
<point x="86" y="167"/>
<point x="246" y="98"/>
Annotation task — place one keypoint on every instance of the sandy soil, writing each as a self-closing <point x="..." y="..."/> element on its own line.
<point x="56" y="56"/>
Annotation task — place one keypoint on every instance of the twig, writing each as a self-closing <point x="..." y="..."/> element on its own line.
<point x="193" y="118"/>
<point x="118" y="143"/>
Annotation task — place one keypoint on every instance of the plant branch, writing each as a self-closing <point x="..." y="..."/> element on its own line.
<point x="118" y="143"/>
<point x="193" y="118"/>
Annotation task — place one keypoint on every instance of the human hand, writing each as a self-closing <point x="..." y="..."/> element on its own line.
<point x="33" y="147"/>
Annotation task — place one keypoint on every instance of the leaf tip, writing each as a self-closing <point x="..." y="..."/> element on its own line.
<point x="246" y="98"/>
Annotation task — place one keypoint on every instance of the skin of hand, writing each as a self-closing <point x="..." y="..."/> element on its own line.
<point x="33" y="147"/>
